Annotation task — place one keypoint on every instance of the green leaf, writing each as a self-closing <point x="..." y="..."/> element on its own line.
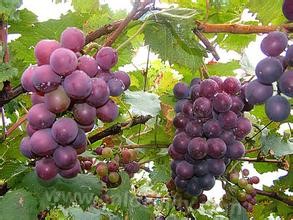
<point x="90" y="214"/>
<point x="235" y="42"/>
<point x="238" y="212"/>
<point x="18" y="204"/>
<point x="265" y="167"/>
<point x="161" y="172"/>
<point x="268" y="11"/>
<point x="8" y="8"/>
<point x="223" y="69"/>
<point x="175" y="41"/>
<point x="85" y="6"/>
<point x="81" y="190"/>
<point x="275" y="143"/>
<point x="7" y="71"/>
<point x="143" y="103"/>
<point x="127" y="202"/>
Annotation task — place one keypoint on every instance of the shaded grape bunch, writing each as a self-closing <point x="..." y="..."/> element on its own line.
<point x="273" y="70"/>
<point x="64" y="81"/>
<point x="242" y="190"/>
<point x="210" y="126"/>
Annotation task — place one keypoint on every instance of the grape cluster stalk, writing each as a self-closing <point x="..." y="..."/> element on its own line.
<point x="69" y="92"/>
<point x="273" y="72"/>
<point x="209" y="128"/>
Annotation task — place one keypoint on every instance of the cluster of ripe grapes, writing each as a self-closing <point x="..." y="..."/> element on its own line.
<point x="66" y="84"/>
<point x="273" y="70"/>
<point x="182" y="200"/>
<point x="243" y="190"/>
<point x="108" y="168"/>
<point x="210" y="125"/>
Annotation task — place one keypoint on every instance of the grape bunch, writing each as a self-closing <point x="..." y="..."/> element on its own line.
<point x="108" y="169"/>
<point x="243" y="190"/>
<point x="209" y="127"/>
<point x="288" y="9"/>
<point x="69" y="91"/>
<point x="273" y="70"/>
<point x="181" y="200"/>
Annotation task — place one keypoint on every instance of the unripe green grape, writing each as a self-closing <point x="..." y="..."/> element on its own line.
<point x="234" y="177"/>
<point x="242" y="183"/>
<point x="249" y="188"/>
<point x="114" y="177"/>
<point x="102" y="169"/>
<point x="107" y="152"/>
<point x="241" y="196"/>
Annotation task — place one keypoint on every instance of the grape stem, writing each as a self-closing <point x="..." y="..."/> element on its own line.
<point x="117" y="128"/>
<point x="259" y="131"/>
<point x="20" y="121"/>
<point x="240" y="28"/>
<point x="207" y="43"/>
<point x="260" y="160"/>
<point x="252" y="150"/>
<point x="276" y="196"/>
<point x="132" y="146"/>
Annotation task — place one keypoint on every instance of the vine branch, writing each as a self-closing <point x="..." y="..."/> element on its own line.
<point x="276" y="196"/>
<point x="260" y="160"/>
<point x="117" y="128"/>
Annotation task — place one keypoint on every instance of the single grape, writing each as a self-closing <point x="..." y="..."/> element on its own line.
<point x="102" y="169"/>
<point x="242" y="128"/>
<point x="26" y="148"/>
<point x="80" y="140"/>
<point x="72" y="172"/>
<point x="208" y="88"/>
<point x="235" y="150"/>
<point x="193" y="187"/>
<point x="84" y="114"/>
<point x="187" y="109"/>
<point x="222" y="102"/>
<point x="195" y="81"/>
<point x="277" y="108"/>
<point x="108" y="112"/>
<point x="180" y="142"/>
<point x="124" y="77"/>
<point x="184" y="170"/>
<point x="237" y="104"/>
<point x="234" y="177"/>
<point x="80" y="149"/>
<point x="78" y="85"/>
<point x="57" y="101"/>
<point x="212" y="128"/>
<point x="100" y="93"/>
<point x="241" y="196"/>
<point x="218" y="80"/>
<point x="107" y="152"/>
<point x="86" y="128"/>
<point x="200" y="168"/>
<point x="114" y="177"/>
<point x="231" y="85"/>
<point x="228" y="120"/>
<point x="45" y="79"/>
<point x="46" y="169"/>
<point x="255" y="180"/>
<point x="174" y="154"/>
<point x="116" y="87"/>
<point x="245" y="172"/>
<point x="39" y="117"/>
<point x="228" y="137"/>
<point x="202" y="107"/>
<point x="126" y="156"/>
<point x="268" y="70"/>
<point x="288" y="9"/>
<point x="132" y="167"/>
<point x="198" y="148"/>
<point x="181" y="90"/>
<point x="274" y="43"/>
<point x="258" y="93"/>
<point x="63" y="61"/>
<point x="207" y="182"/>
<point x="249" y="188"/>
<point x="113" y="166"/>
<point x="27" y="79"/>
<point x="216" y="147"/>
<point x="64" y="130"/>
<point x="216" y="167"/>
<point x="242" y="182"/>
<point x="88" y="65"/>
<point x="30" y="130"/>
<point x="180" y="120"/>
<point x="44" y="49"/>
<point x="104" y="75"/>
<point x="181" y="183"/>
<point x="179" y="105"/>
<point x="194" y="92"/>
<point x="72" y="38"/>
<point x="286" y="83"/>
<point x="42" y="143"/>
<point x="37" y="98"/>
<point x="193" y="129"/>
<point x="107" y="57"/>
<point x="65" y="157"/>
<point x="202" y="198"/>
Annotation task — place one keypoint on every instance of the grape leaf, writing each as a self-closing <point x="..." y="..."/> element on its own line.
<point x="275" y="143"/>
<point x="238" y="212"/>
<point x="223" y="69"/>
<point x="18" y="204"/>
<point x="161" y="172"/>
<point x="8" y="8"/>
<point x="81" y="190"/>
<point x="7" y="72"/>
<point x="76" y="213"/>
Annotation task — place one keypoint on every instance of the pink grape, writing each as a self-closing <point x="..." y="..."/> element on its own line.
<point x="80" y="139"/>
<point x="72" y="38"/>
<point x="39" y="117"/>
<point x="208" y="88"/>
<point x="37" y="98"/>
<point x="231" y="85"/>
<point x="274" y="43"/>
<point x="64" y="130"/>
<point x="70" y="173"/>
<point x="30" y="130"/>
<point x="26" y="148"/>
<point x="44" y="49"/>
<point x="198" y="148"/>
<point x="63" y="61"/>
<point x="108" y="112"/>
<point x="107" y="57"/>
<point x="46" y="169"/>
<point x="27" y="79"/>
<point x="100" y="93"/>
<point x="222" y="102"/>
<point x="84" y="114"/>
<point x="88" y="64"/>
<point x="65" y="157"/>
<point x="57" y="101"/>
<point x="216" y="147"/>
<point x="124" y="77"/>
<point x="42" y="143"/>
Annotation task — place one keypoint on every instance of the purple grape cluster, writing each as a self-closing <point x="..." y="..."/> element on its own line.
<point x="270" y="70"/>
<point x="64" y="81"/>
<point x="209" y="127"/>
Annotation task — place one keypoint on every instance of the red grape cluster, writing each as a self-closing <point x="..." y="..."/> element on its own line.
<point x="182" y="200"/>
<point x="270" y="70"/>
<point x="108" y="168"/>
<point x="210" y="126"/>
<point x="64" y="81"/>
<point x="243" y="190"/>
